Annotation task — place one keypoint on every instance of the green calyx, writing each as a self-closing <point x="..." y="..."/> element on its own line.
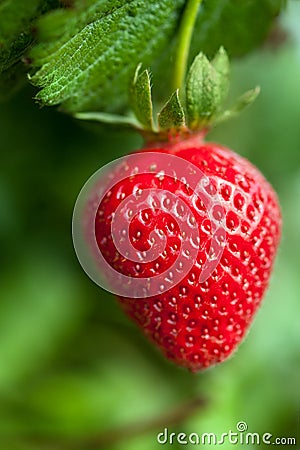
<point x="206" y="88"/>
<point x="198" y="107"/>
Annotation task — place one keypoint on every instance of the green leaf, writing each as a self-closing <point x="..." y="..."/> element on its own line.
<point x="141" y="101"/>
<point x="16" y="18"/>
<point x="202" y="92"/>
<point x="88" y="54"/>
<point x="172" y="114"/>
<point x="240" y="26"/>
<point x="16" y="36"/>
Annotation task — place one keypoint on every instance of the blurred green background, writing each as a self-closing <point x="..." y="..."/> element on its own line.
<point x="74" y="372"/>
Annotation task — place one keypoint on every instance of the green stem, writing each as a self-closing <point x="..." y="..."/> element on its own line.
<point x="184" y="40"/>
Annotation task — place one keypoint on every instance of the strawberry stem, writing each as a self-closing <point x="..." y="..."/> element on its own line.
<point x="184" y="40"/>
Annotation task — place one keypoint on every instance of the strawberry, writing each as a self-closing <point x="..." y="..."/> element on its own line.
<point x="198" y="324"/>
<point x="184" y="231"/>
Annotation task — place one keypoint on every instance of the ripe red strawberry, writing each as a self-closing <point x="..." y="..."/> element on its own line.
<point x="198" y="324"/>
<point x="219" y="242"/>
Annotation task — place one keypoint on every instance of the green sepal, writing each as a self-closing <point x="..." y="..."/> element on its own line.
<point x="140" y="98"/>
<point x="221" y="65"/>
<point x="172" y="114"/>
<point x="242" y="102"/>
<point x="203" y="96"/>
<point x="124" y="122"/>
